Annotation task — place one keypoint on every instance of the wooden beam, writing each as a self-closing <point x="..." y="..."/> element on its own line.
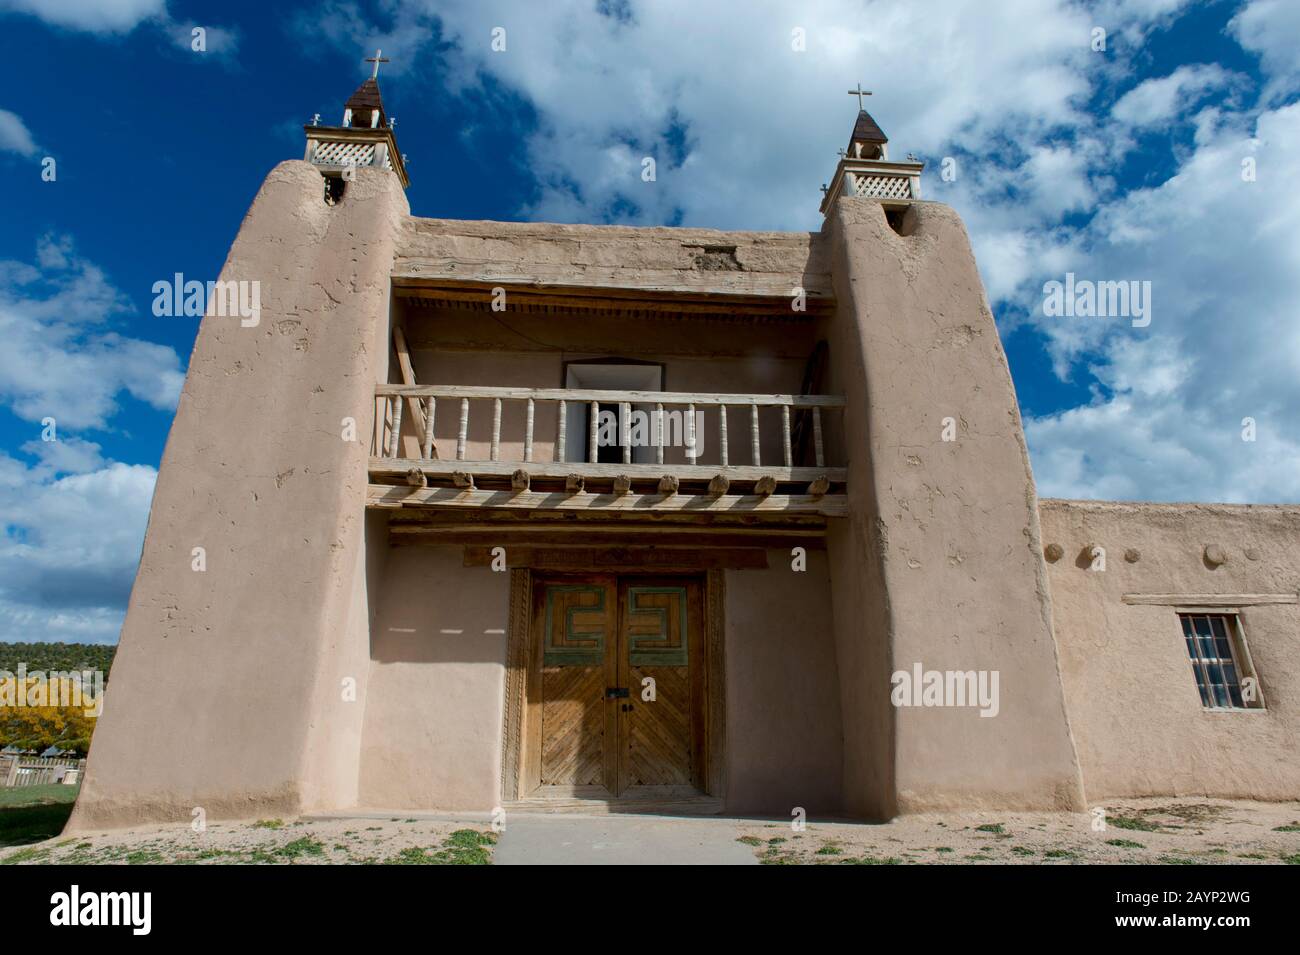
<point x="560" y="470"/>
<point x="385" y="495"/>
<point x="614" y="397"/>
<point x="578" y="285"/>
<point x="1208" y="600"/>
<point x="622" y="557"/>
<point x="408" y="378"/>
<point x="625" y="534"/>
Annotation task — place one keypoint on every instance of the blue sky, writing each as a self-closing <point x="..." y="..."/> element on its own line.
<point x="1117" y="164"/>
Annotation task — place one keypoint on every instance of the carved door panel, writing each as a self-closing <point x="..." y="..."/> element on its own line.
<point x="617" y="689"/>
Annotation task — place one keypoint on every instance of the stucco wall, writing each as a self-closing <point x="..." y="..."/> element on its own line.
<point x="226" y="683"/>
<point x="946" y="530"/>
<point x="1137" y="717"/>
<point x="784" y="740"/>
<point x="432" y="736"/>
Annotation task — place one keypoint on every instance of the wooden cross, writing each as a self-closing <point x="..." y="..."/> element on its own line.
<point x="859" y="93"/>
<point x="842" y="154"/>
<point x="824" y="189"/>
<point x="377" y="59"/>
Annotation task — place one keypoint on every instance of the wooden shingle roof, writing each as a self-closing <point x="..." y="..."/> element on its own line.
<point x="867" y="130"/>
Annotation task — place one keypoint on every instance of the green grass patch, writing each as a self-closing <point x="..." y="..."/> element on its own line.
<point x="269" y="824"/>
<point x="1292" y="859"/>
<point x="462" y="847"/>
<point x="306" y="846"/>
<point x="994" y="827"/>
<point x="1060" y="854"/>
<point x="830" y="849"/>
<point x="1289" y="827"/>
<point x="1022" y="851"/>
<point x="871" y="860"/>
<point x="750" y="840"/>
<point x="34" y="813"/>
<point x="1178" y="860"/>
<point x="1133" y="823"/>
<point x="1125" y="843"/>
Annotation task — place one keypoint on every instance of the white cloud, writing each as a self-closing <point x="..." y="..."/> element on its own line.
<point x="93" y="16"/>
<point x="14" y="135"/>
<point x="70" y="545"/>
<point x="1223" y="344"/>
<point x="1270" y="28"/>
<point x="71" y="521"/>
<point x="61" y="357"/>
<point x="1161" y="101"/>
<point x="116" y="17"/>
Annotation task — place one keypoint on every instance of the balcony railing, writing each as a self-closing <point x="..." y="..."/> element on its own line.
<point x="673" y="450"/>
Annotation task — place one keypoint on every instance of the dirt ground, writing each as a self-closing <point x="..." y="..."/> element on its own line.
<point x="1163" y="831"/>
<point x="393" y="841"/>
<point x="1182" y="831"/>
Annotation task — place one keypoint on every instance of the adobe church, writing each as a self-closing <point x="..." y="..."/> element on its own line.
<point x="535" y="516"/>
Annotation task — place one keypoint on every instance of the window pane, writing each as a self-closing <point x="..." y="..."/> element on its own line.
<point x="1220" y="694"/>
<point x="1209" y="640"/>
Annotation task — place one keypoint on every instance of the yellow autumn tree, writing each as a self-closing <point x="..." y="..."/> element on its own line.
<point x="68" y="727"/>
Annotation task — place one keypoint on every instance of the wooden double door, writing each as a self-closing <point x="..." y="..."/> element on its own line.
<point x="618" y="688"/>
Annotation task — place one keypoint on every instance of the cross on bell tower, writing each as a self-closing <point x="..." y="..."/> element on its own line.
<point x="864" y="169"/>
<point x="364" y="137"/>
<point x="376" y="59"/>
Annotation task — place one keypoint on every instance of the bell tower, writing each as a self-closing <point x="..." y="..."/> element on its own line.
<point x="363" y="138"/>
<point x="864" y="168"/>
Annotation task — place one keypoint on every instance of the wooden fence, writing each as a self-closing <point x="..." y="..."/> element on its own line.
<point x="39" y="770"/>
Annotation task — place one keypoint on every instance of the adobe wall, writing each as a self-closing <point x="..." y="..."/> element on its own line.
<point x="227" y="685"/>
<point x="784" y="738"/>
<point x="433" y="732"/>
<point x="708" y="261"/>
<point x="433" y="720"/>
<point x="1137" y="717"/>
<point x="939" y="562"/>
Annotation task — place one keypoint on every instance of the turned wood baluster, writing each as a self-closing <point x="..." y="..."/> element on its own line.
<point x="817" y="436"/>
<point x="395" y="436"/>
<point x="692" y="452"/>
<point x="722" y="433"/>
<point x="464" y="429"/>
<point x="659" y="434"/>
<point x="785" y="434"/>
<point x="560" y="429"/>
<point x="496" y="429"/>
<point x="625" y="430"/>
<point x="528" y="433"/>
<point x="593" y="431"/>
<point x="429" y="407"/>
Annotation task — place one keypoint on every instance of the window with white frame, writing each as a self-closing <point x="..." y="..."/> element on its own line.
<point x="1216" y="645"/>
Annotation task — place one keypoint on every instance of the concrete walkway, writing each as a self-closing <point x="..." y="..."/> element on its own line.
<point x="626" y="839"/>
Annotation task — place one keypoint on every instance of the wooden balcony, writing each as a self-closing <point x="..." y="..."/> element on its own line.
<point x="673" y="452"/>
